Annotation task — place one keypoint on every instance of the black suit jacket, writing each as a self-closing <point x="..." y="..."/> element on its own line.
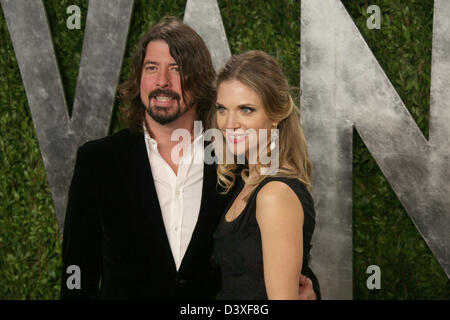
<point x="114" y="231"/>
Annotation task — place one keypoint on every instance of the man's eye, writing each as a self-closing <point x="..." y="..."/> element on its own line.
<point x="150" y="68"/>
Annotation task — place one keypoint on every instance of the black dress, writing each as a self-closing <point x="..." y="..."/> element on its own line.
<point x="238" y="248"/>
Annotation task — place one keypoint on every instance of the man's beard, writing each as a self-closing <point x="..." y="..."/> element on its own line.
<point x="165" y="115"/>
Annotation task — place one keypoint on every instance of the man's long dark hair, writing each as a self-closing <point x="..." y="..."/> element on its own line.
<point x="196" y="69"/>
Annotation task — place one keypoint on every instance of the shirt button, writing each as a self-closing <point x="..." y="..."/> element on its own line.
<point x="176" y="228"/>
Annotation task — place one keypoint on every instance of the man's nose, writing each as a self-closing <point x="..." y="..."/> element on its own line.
<point x="163" y="80"/>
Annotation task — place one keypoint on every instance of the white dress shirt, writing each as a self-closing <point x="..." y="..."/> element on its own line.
<point x="180" y="194"/>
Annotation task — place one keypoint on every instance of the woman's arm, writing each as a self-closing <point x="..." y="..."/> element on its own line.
<point x="280" y="218"/>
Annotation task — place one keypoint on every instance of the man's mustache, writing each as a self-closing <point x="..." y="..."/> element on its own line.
<point x="164" y="92"/>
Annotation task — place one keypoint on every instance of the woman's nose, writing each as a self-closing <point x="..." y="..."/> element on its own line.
<point x="232" y="122"/>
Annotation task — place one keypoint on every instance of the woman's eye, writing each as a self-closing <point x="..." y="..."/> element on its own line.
<point x="247" y="110"/>
<point x="220" y="109"/>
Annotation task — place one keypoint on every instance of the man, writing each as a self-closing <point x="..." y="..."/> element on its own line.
<point x="138" y="223"/>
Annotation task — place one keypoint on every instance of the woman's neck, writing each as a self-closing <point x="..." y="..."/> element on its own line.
<point x="252" y="172"/>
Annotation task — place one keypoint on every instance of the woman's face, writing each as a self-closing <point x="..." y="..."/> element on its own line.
<point x="239" y="109"/>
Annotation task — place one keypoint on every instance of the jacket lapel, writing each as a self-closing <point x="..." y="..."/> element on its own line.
<point x="141" y="180"/>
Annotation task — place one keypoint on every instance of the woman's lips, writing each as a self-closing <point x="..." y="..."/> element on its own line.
<point x="235" y="138"/>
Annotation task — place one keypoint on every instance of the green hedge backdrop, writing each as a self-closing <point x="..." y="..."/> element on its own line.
<point x="383" y="233"/>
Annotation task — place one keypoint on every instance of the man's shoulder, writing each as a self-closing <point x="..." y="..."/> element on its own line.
<point x="112" y="144"/>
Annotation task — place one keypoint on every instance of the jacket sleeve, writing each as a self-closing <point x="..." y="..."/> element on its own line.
<point x="82" y="237"/>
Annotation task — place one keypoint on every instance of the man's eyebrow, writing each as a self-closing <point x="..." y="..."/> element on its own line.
<point x="156" y="63"/>
<point x="150" y="62"/>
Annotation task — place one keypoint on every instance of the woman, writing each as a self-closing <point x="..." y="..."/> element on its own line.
<point x="263" y="239"/>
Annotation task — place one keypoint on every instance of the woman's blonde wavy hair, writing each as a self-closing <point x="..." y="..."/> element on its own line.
<point x="262" y="73"/>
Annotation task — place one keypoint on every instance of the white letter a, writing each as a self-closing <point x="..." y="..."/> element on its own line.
<point x="74" y="280"/>
<point x="373" y="282"/>
<point x="73" y="22"/>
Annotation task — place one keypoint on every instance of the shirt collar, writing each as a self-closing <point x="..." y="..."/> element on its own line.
<point x="154" y="144"/>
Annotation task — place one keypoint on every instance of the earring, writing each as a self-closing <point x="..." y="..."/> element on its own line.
<point x="274" y="139"/>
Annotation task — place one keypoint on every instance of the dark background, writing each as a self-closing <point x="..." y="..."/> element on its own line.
<point x="383" y="233"/>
